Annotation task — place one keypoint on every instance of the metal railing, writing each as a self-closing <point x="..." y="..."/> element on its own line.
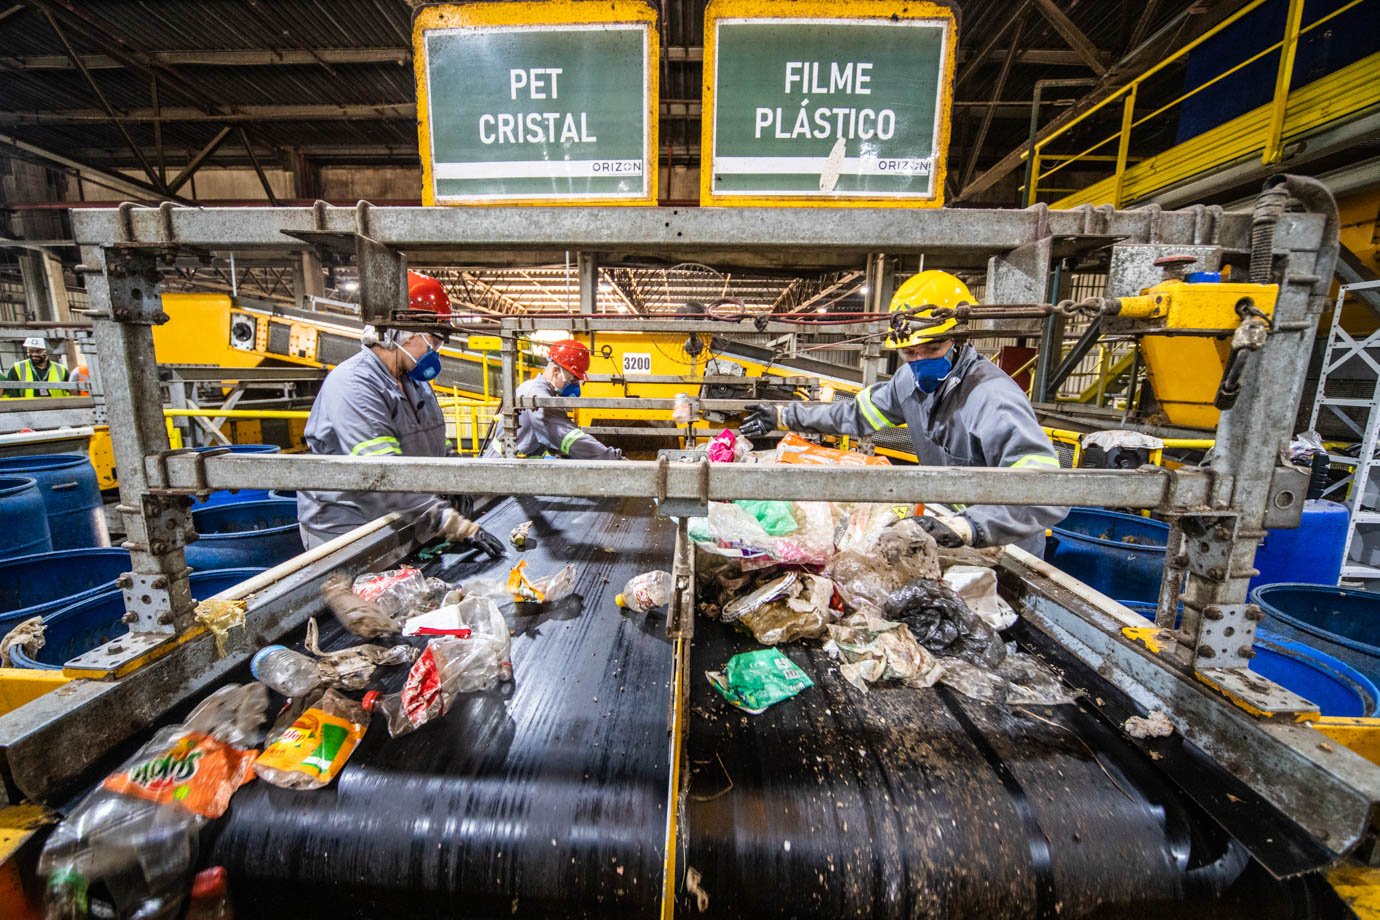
<point x="1269" y="140"/>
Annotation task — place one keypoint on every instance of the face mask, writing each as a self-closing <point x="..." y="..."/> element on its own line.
<point x="426" y="368"/>
<point x="571" y="389"/>
<point x="930" y="372"/>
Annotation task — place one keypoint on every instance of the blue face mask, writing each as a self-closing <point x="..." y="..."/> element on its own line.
<point x="426" y="368"/>
<point x="930" y="372"/>
<point x="571" y="389"/>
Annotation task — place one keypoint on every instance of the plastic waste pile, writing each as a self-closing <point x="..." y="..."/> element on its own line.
<point x="129" y="847"/>
<point x="865" y="577"/>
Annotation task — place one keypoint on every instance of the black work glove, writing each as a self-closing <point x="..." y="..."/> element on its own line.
<point x="943" y="534"/>
<point x="489" y="543"/>
<point x="761" y="419"/>
<point x="462" y="503"/>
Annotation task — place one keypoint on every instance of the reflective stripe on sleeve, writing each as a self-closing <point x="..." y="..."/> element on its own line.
<point x="870" y="412"/>
<point x="376" y="447"/>
<point x="569" y="440"/>
<point x="1036" y="460"/>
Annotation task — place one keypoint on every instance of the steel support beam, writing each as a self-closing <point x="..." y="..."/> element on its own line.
<point x="115" y="181"/>
<point x="1072" y="34"/>
<point x="688" y="481"/>
<point x="124" y="306"/>
<point x="201" y="157"/>
<point x="784" y="236"/>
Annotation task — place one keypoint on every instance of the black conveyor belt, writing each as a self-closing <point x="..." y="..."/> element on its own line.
<point x="547" y="799"/>
<point x="923" y="803"/>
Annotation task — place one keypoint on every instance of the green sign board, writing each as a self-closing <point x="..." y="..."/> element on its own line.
<point x="830" y="108"/>
<point x="537" y="113"/>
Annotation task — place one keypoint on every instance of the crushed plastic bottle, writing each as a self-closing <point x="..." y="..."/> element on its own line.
<point x="284" y="671"/>
<point x="646" y="591"/>
<point x="313" y="749"/>
<point x="128" y="848"/>
<point x="452" y="666"/>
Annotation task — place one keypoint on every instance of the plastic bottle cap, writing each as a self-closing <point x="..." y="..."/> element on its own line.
<point x="370" y="699"/>
<point x="618" y="599"/>
<point x="259" y="656"/>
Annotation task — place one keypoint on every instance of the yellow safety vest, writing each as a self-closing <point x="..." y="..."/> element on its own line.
<point x="56" y="374"/>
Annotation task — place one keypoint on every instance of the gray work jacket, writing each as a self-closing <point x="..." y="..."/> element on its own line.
<point x="364" y="411"/>
<point x="550" y="432"/>
<point x="977" y="417"/>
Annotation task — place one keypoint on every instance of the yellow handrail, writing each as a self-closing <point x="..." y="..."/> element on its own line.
<point x="235" y="413"/>
<point x="1272" y="141"/>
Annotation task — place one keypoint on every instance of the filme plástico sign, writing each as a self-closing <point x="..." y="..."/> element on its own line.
<point x="522" y="103"/>
<point x="826" y="103"/>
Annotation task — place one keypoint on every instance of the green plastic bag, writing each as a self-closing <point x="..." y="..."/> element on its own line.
<point x="752" y="681"/>
<point x="775" y="517"/>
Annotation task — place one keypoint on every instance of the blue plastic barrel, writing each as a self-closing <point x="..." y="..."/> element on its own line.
<point x="1121" y="555"/>
<point x="25" y="518"/>
<point x="258" y="534"/>
<point x="1342" y="622"/>
<point x="1311" y="554"/>
<point x="240" y="495"/>
<point x="80" y="627"/>
<point x="1334" y="686"/>
<point x="71" y="495"/>
<point x="34" y="586"/>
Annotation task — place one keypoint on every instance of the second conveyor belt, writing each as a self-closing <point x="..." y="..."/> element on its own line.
<point x="551" y="796"/>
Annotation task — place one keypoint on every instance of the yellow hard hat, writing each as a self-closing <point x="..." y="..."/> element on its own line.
<point x="927" y="289"/>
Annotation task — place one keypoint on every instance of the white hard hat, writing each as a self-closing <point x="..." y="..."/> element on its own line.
<point x="34" y="341"/>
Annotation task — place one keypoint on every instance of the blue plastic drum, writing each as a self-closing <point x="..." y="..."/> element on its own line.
<point x="80" y="627"/>
<point x="35" y="586"/>
<point x="256" y="534"/>
<point x="1120" y="555"/>
<point x="1342" y="622"/>
<point x="71" y="497"/>
<point x="26" y="519"/>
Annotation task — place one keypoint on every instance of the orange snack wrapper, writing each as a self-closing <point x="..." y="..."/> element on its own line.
<point x="794" y="449"/>
<point x="197" y="772"/>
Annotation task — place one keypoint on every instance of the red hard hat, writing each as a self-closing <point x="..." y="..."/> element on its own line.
<point x="426" y="293"/>
<point x="571" y="355"/>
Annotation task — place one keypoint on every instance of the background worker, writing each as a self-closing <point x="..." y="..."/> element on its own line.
<point x="36" y="367"/>
<point x="550" y="432"/>
<point x="960" y="409"/>
<point x="379" y="403"/>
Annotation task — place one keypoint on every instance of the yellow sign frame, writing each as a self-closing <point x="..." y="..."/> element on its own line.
<point x="861" y="10"/>
<point x="545" y="13"/>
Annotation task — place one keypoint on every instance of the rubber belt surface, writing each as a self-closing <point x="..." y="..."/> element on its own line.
<point x="543" y="798"/>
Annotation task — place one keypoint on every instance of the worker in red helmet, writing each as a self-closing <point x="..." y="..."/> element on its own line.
<point x="550" y="432"/>
<point x="379" y="403"/>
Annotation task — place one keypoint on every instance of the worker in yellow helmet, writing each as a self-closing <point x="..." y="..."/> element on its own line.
<point x="960" y="409"/>
<point x="36" y="368"/>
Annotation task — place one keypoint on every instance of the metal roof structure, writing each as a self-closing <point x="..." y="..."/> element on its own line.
<point x="140" y="94"/>
<point x="160" y="84"/>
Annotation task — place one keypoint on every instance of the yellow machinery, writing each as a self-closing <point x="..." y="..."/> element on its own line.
<point x="1200" y="330"/>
